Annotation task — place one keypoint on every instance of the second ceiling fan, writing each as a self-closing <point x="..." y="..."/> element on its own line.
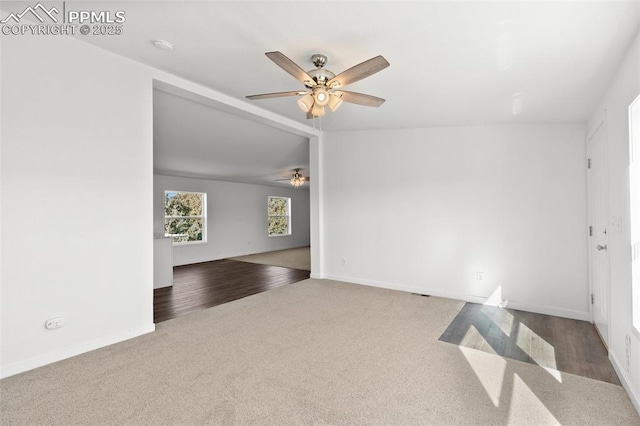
<point x="324" y="88"/>
<point x="296" y="179"/>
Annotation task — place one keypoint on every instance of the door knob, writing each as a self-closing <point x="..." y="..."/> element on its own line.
<point x="599" y="247"/>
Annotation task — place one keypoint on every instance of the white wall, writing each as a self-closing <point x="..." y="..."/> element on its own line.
<point x="624" y="88"/>
<point x="236" y="218"/>
<point x="76" y="152"/>
<point x="423" y="210"/>
<point x="76" y="144"/>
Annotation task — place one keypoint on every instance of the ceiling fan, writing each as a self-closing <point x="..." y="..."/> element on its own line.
<point x="324" y="88"/>
<point x="296" y="178"/>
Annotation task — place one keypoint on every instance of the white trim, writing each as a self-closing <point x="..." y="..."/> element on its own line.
<point x="635" y="331"/>
<point x="71" y="351"/>
<point x="539" y="309"/>
<point x="626" y="382"/>
<point x="632" y="154"/>
<point x="634" y="225"/>
<point x="316" y="206"/>
<point x="550" y="310"/>
<point x="186" y="243"/>
<point x="175" y="85"/>
<point x="597" y="124"/>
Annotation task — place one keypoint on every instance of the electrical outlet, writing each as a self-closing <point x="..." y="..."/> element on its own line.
<point x="55" y="322"/>
<point x="479" y="276"/>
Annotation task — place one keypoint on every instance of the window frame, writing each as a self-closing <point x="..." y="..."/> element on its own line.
<point x="288" y="216"/>
<point x="203" y="218"/>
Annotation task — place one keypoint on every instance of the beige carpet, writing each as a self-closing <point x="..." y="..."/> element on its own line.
<point x="297" y="258"/>
<point x="313" y="352"/>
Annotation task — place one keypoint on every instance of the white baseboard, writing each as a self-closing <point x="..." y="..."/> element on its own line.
<point x="626" y="381"/>
<point x="539" y="309"/>
<point x="71" y="351"/>
<point x="380" y="284"/>
<point x="550" y="310"/>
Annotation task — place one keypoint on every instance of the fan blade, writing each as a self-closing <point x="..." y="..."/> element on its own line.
<point x="289" y="66"/>
<point x="276" y="95"/>
<point x="306" y="179"/>
<point x="360" y="71"/>
<point x="361" y="99"/>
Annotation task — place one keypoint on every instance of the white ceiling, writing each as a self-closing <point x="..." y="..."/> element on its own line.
<point x="452" y="63"/>
<point x="196" y="140"/>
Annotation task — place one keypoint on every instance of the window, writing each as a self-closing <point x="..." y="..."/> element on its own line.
<point x="279" y="211"/>
<point x="185" y="216"/>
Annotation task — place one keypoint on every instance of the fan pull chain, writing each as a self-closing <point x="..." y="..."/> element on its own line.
<point x="319" y="123"/>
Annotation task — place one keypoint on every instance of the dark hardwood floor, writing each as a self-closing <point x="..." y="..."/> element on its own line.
<point x="203" y="285"/>
<point x="567" y="345"/>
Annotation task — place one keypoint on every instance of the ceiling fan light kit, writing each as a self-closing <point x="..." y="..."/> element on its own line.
<point x="321" y="84"/>
<point x="297" y="179"/>
<point x="321" y="95"/>
<point x="306" y="102"/>
<point x="334" y="101"/>
<point x="317" y="110"/>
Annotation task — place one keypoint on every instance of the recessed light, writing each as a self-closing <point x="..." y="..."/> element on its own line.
<point x="163" y="45"/>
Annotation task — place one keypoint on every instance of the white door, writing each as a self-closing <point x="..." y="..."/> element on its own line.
<point x="598" y="193"/>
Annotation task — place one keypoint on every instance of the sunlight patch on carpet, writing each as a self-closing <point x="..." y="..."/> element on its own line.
<point x="526" y="405"/>
<point x="489" y="370"/>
